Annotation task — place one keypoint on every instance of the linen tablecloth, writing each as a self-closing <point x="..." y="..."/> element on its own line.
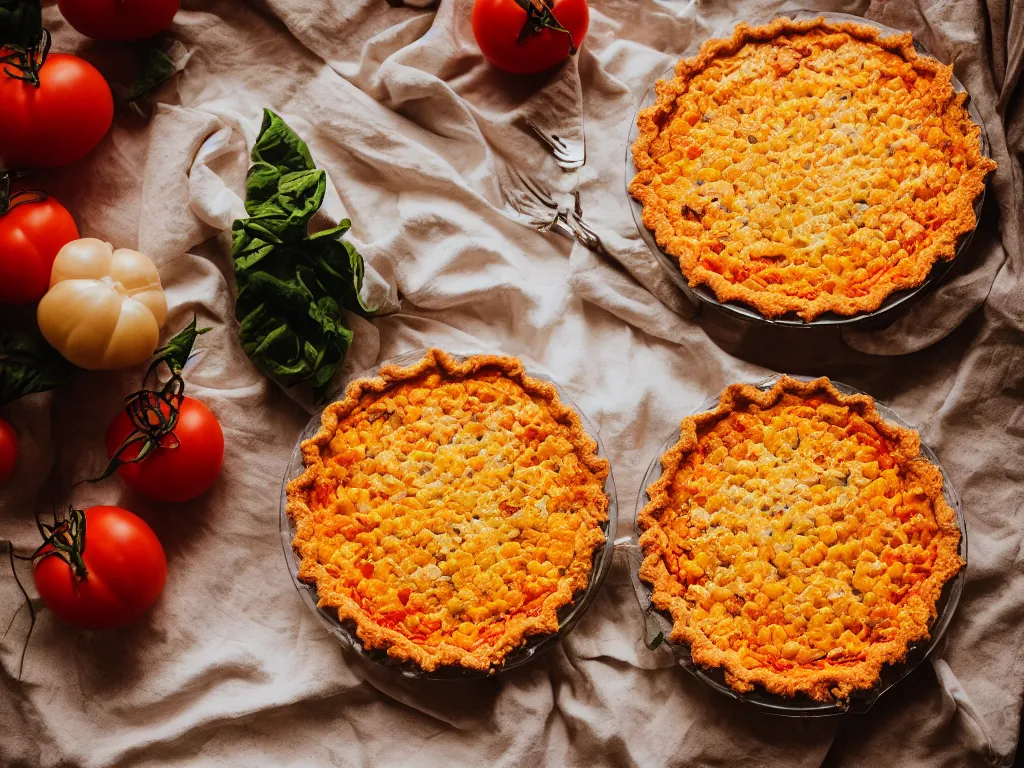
<point x="414" y="130"/>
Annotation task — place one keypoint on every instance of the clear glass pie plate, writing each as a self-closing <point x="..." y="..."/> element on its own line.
<point x="895" y="304"/>
<point x="568" y="617"/>
<point x="657" y="622"/>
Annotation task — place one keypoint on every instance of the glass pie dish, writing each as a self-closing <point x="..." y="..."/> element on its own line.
<point x="568" y="616"/>
<point x="660" y="623"/>
<point x="895" y="304"/>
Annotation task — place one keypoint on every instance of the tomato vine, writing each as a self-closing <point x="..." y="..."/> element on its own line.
<point x="24" y="62"/>
<point x="65" y="539"/>
<point x="154" y="411"/>
<point x="540" y="15"/>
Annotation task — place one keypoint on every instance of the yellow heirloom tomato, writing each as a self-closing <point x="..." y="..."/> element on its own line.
<point x="105" y="307"/>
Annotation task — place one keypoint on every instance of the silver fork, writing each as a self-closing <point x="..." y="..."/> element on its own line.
<point x="535" y="204"/>
<point x="587" y="237"/>
<point x="570" y="155"/>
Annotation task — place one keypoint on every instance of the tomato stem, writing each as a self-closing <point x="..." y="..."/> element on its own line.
<point x="31" y="610"/>
<point x="24" y="63"/>
<point x="8" y="201"/>
<point x="154" y="412"/>
<point x="64" y="539"/>
<point x="540" y="15"/>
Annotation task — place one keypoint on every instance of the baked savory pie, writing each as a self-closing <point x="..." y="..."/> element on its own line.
<point x="797" y="539"/>
<point x="449" y="509"/>
<point x="808" y="167"/>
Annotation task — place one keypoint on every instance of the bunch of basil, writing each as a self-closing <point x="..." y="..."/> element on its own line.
<point x="292" y="285"/>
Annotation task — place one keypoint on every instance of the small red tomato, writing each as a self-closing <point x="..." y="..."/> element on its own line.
<point x="59" y="120"/>
<point x="31" y="234"/>
<point x="525" y="43"/>
<point x="120" y="570"/>
<point x="8" y="450"/>
<point x="184" y="465"/>
<point x="119" y="19"/>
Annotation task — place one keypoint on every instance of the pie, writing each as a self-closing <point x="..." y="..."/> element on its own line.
<point x="797" y="539"/>
<point x="449" y="509"/>
<point x="808" y="167"/>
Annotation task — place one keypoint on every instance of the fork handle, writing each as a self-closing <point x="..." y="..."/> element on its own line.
<point x="561" y="226"/>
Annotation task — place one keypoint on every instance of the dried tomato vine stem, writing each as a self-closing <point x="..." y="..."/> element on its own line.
<point x="154" y="412"/>
<point x="540" y="15"/>
<point x="24" y="63"/>
<point x="64" y="538"/>
<point x="8" y="201"/>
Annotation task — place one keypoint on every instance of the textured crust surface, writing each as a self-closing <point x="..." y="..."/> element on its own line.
<point x="808" y="167"/>
<point x="797" y="539"/>
<point x="449" y="509"/>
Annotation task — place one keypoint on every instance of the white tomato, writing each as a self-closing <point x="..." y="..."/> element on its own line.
<point x="105" y="307"/>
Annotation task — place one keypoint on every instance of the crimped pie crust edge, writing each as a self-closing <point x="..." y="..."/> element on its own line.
<point x="829" y="684"/>
<point x="942" y="243"/>
<point x="589" y="536"/>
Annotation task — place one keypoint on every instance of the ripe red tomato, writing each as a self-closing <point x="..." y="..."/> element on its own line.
<point x="497" y="25"/>
<point x="173" y="472"/>
<point x="8" y="450"/>
<point x="57" y="122"/>
<point x="125" y="571"/>
<point x="119" y="19"/>
<point x="31" y="234"/>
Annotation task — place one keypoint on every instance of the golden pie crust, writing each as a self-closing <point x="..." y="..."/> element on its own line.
<point x="797" y="539"/>
<point x="449" y="509"/>
<point x="808" y="167"/>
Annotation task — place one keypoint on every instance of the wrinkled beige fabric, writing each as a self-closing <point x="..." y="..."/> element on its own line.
<point x="415" y="131"/>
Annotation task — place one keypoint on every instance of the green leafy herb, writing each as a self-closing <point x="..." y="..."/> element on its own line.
<point x="292" y="286"/>
<point x="656" y="642"/>
<point x="28" y="365"/>
<point x="21" y="23"/>
<point x="175" y="353"/>
<point x="157" y="68"/>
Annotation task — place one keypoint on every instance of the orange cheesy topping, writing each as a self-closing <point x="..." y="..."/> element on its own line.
<point x="808" y="167"/>
<point x="798" y="539"/>
<point x="450" y="509"/>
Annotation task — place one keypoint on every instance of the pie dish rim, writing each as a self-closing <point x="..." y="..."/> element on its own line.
<point x="800" y="705"/>
<point x="892" y="302"/>
<point x="345" y="629"/>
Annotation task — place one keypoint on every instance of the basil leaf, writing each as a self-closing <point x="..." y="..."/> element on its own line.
<point x="157" y="68"/>
<point x="21" y="23"/>
<point x="656" y="642"/>
<point x="28" y="365"/>
<point x="353" y="294"/>
<point x="279" y="146"/>
<point x="175" y="353"/>
<point x="252" y="259"/>
<point x="343" y="226"/>
<point x="291" y="285"/>
<point x="260" y="186"/>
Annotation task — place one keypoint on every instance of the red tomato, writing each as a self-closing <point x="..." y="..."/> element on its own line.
<point x="57" y="122"/>
<point x="31" y="234"/>
<point x="119" y="19"/>
<point x="173" y="472"/>
<point x="125" y="571"/>
<point x="497" y="25"/>
<point x="8" y="450"/>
